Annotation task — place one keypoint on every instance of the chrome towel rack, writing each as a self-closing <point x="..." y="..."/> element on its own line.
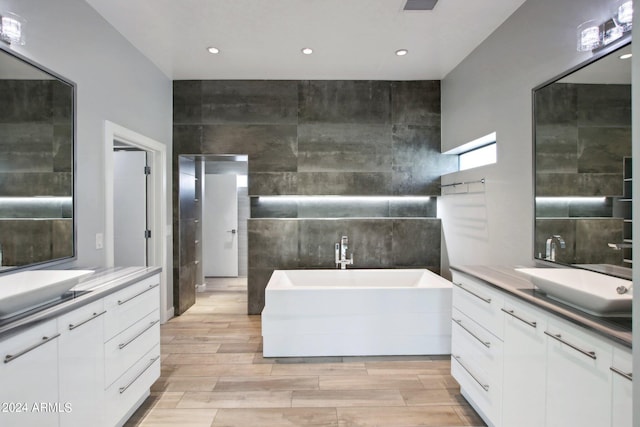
<point x="463" y="183"/>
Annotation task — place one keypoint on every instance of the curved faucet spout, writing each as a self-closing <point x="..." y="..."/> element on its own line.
<point x="551" y="246"/>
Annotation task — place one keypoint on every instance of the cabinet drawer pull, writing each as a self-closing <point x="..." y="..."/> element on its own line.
<point x="484" y="343"/>
<point x="120" y="302"/>
<point x="151" y="362"/>
<point x="626" y="375"/>
<point x="11" y="357"/>
<point x="558" y="337"/>
<point x="511" y="313"/>
<point x="484" y="386"/>
<point x="94" y="316"/>
<point x="487" y="300"/>
<point x="126" y="343"/>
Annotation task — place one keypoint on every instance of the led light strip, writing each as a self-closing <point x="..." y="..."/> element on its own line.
<point x="276" y="199"/>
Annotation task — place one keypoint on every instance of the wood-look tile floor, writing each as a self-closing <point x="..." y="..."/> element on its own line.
<point x="214" y="375"/>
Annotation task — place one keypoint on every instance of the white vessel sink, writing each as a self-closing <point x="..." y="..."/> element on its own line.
<point x="588" y="291"/>
<point x="21" y="291"/>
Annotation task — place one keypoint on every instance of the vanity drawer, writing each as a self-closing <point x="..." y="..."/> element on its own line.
<point x="130" y="346"/>
<point x="479" y="302"/>
<point x="82" y="318"/>
<point x="469" y="338"/>
<point x="483" y="393"/>
<point x="123" y="395"/>
<point x="127" y="306"/>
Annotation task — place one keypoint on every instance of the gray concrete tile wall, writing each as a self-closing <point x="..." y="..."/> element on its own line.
<point x="339" y="128"/>
<point x="336" y="101"/>
<point x="309" y="243"/>
<point x="582" y="134"/>
<point x="586" y="239"/>
<point x="27" y="242"/>
<point x="186" y="220"/>
<point x="322" y="138"/>
<point x="271" y="148"/>
<point x="249" y="101"/>
<point x="36" y="124"/>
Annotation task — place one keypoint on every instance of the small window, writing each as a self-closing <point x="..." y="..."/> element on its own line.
<point x="485" y="155"/>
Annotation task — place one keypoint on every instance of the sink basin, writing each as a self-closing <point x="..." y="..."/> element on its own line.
<point x="22" y="291"/>
<point x="588" y="291"/>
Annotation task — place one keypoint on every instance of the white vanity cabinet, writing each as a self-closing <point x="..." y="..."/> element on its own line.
<point x="91" y="366"/>
<point x="29" y="377"/>
<point x="524" y="374"/>
<point x="546" y="370"/>
<point x="132" y="347"/>
<point x="578" y="377"/>
<point x="81" y="364"/>
<point x="476" y="345"/>
<point x="621" y="382"/>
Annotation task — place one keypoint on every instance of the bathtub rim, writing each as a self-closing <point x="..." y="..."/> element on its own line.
<point x="280" y="280"/>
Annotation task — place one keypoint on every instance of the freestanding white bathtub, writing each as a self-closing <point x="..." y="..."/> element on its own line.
<point x="356" y="313"/>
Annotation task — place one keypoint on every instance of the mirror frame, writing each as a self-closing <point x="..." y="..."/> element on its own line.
<point x="74" y="93"/>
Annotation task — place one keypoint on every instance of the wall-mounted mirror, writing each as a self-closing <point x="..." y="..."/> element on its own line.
<point x="36" y="164"/>
<point x="582" y="144"/>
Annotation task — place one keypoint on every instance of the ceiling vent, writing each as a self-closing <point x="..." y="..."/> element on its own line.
<point x="420" y="4"/>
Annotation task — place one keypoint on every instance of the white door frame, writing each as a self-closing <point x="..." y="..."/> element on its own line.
<point x="157" y="197"/>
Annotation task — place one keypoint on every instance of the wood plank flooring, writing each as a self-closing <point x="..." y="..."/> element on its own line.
<point x="214" y="375"/>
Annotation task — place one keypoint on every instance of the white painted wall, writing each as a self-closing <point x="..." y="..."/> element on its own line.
<point x="491" y="91"/>
<point x="114" y="82"/>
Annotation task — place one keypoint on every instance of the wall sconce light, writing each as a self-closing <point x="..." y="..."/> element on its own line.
<point x="12" y="28"/>
<point x="593" y="35"/>
<point x="589" y="36"/>
<point x="624" y="14"/>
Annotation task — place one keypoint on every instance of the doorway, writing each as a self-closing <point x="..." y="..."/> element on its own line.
<point x="225" y="178"/>
<point x="199" y="212"/>
<point x="159" y="240"/>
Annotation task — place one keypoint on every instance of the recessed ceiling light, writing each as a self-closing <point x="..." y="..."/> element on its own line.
<point x="626" y="56"/>
<point x="307" y="51"/>
<point x="213" y="49"/>
<point x="401" y="52"/>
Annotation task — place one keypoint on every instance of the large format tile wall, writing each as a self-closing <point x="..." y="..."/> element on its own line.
<point x="324" y="138"/>
<point x="583" y="133"/>
<point x="36" y="160"/>
<point x="187" y="268"/>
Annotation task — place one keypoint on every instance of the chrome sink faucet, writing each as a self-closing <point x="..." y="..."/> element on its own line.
<point x="341" y="253"/>
<point x="552" y="247"/>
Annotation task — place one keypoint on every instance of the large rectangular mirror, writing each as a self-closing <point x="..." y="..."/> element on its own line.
<point x="36" y="164"/>
<point x="582" y="144"/>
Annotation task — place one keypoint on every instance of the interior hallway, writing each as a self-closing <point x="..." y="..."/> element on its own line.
<point x="213" y="374"/>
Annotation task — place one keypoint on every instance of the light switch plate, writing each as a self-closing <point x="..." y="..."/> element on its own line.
<point x="99" y="240"/>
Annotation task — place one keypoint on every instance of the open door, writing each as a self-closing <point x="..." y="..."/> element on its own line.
<point x="130" y="208"/>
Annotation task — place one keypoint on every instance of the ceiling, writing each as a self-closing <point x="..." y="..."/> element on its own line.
<point x="262" y="39"/>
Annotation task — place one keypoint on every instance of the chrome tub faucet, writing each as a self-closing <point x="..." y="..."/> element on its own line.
<point x="341" y="254"/>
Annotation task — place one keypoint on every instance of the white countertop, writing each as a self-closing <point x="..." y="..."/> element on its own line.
<point x="102" y="282"/>
<point x="507" y="279"/>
